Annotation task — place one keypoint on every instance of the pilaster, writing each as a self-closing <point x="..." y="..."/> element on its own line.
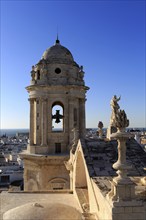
<point x="71" y="119"/>
<point x="44" y="123"/>
<point x="49" y="112"/>
<point x="82" y="117"/>
<point x="31" y="132"/>
<point x="37" y="121"/>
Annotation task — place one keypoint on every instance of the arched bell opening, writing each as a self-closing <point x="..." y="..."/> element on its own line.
<point x="57" y="117"/>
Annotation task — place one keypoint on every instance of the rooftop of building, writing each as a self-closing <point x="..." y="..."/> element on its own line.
<point x="100" y="155"/>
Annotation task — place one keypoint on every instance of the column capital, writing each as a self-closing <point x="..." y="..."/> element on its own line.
<point x="31" y="99"/>
<point x="83" y="99"/>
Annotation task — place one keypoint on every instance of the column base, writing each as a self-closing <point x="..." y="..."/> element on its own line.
<point x="123" y="191"/>
<point x="35" y="149"/>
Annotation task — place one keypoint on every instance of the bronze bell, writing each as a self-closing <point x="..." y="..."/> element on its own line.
<point x="57" y="116"/>
<point x="57" y="120"/>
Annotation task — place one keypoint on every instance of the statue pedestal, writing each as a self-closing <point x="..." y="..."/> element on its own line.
<point x="100" y="133"/>
<point x="122" y="192"/>
<point x="122" y="188"/>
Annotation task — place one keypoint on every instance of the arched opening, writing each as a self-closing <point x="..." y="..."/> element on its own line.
<point x="80" y="175"/>
<point x="58" y="184"/>
<point x="38" y="75"/>
<point x="57" y="117"/>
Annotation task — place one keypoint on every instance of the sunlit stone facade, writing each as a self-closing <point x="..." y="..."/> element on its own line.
<point x="57" y="95"/>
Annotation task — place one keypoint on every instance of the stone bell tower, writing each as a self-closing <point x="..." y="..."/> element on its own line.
<point x="57" y="109"/>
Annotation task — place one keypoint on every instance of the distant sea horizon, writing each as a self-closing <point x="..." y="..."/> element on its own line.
<point x="13" y="131"/>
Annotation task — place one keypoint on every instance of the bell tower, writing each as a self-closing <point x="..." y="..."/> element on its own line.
<point x="57" y="108"/>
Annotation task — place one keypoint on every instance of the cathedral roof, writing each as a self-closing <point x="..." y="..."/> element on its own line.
<point x="101" y="155"/>
<point x="57" y="52"/>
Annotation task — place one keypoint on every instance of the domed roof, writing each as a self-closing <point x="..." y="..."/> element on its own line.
<point x="43" y="211"/>
<point x="58" y="53"/>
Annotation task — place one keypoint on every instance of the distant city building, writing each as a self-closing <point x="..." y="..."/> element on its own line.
<point x="22" y="134"/>
<point x="11" y="166"/>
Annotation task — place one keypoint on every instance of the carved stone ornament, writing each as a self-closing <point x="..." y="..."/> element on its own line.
<point x="122" y="183"/>
<point x="68" y="165"/>
<point x="118" y="117"/>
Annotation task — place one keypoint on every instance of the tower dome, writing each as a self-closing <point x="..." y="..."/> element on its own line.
<point x="43" y="211"/>
<point x="58" y="53"/>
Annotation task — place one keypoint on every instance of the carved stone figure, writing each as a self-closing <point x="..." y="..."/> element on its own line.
<point x="118" y="117"/>
<point x="44" y="69"/>
<point x="33" y="73"/>
<point x="120" y="120"/>
<point x="114" y="103"/>
<point x="114" y="106"/>
<point x="74" y="145"/>
<point x="100" y="131"/>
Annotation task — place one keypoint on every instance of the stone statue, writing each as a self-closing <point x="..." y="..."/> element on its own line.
<point x="81" y="68"/>
<point x="114" y="103"/>
<point x="115" y="107"/>
<point x="118" y="117"/>
<point x="75" y="140"/>
<point x="100" y="131"/>
<point x="121" y="121"/>
<point x="81" y="73"/>
<point x="44" y="69"/>
<point x="33" y="73"/>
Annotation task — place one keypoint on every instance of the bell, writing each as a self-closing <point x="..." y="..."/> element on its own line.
<point x="57" y="116"/>
<point x="57" y="120"/>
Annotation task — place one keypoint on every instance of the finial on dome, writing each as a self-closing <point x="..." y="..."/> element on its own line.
<point x="57" y="40"/>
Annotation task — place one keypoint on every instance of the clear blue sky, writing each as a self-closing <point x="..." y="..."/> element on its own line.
<point x="106" y="37"/>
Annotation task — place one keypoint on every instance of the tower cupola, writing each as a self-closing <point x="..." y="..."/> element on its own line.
<point x="57" y="67"/>
<point x="57" y="95"/>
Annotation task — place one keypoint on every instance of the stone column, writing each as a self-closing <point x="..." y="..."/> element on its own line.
<point x="49" y="115"/>
<point x="66" y="117"/>
<point x="44" y="123"/>
<point x="37" y="122"/>
<point x="82" y="117"/>
<point x="71" y="120"/>
<point x="31" y="132"/>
